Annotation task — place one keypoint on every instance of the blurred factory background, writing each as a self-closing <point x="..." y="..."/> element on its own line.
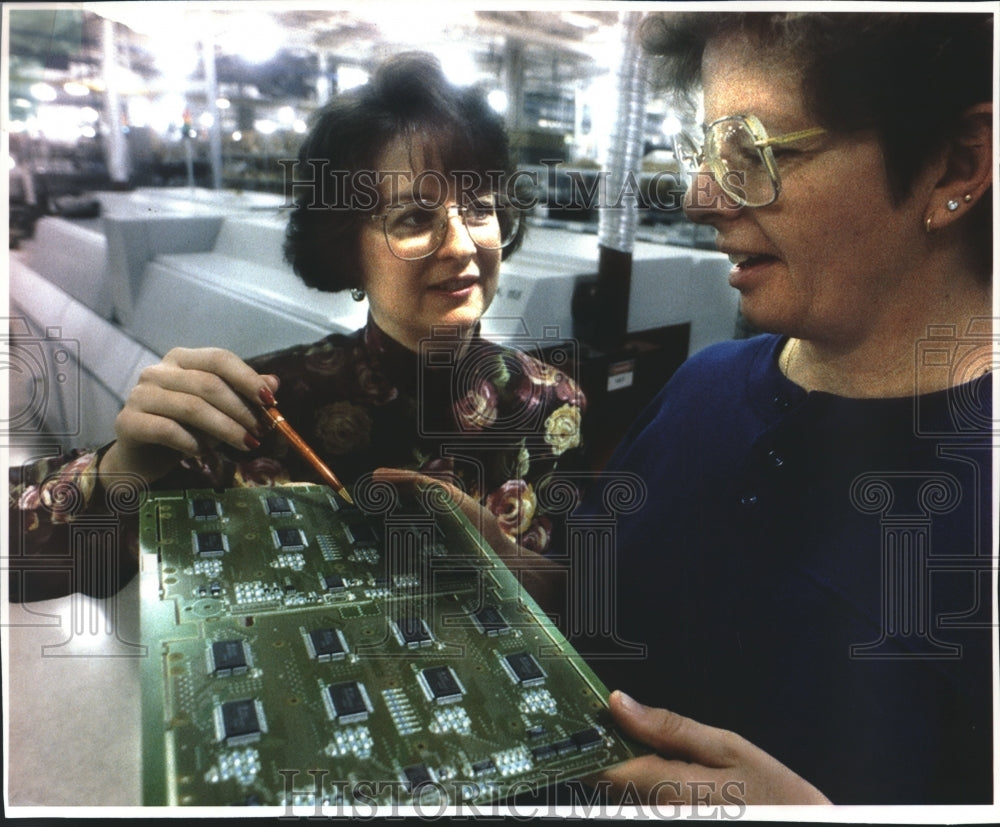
<point x="146" y="194"/>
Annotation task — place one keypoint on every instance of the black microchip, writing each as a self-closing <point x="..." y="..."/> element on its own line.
<point x="326" y="644"/>
<point x="278" y="506"/>
<point x="334" y="583"/>
<point x="587" y="739"/>
<point x="240" y="722"/>
<point x="348" y="702"/>
<point x="229" y="657"/>
<point x="211" y="543"/>
<point x="359" y="531"/>
<point x="289" y="539"/>
<point x="412" y="632"/>
<point x="440" y="684"/>
<point x="491" y="622"/>
<point x="524" y="669"/>
<point x="565" y="747"/>
<point x="204" y="508"/>
<point x="543" y="753"/>
<point x="485" y="767"/>
<point x="417" y="776"/>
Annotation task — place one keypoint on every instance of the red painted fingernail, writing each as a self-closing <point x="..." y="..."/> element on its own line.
<point x="266" y="396"/>
<point x="250" y="440"/>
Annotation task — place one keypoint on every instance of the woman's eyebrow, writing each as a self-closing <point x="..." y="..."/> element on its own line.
<point x="408" y="200"/>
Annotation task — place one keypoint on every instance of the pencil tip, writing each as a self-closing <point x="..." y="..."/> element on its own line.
<point x="343" y="493"/>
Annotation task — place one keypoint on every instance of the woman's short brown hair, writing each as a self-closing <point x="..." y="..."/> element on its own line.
<point x="909" y="76"/>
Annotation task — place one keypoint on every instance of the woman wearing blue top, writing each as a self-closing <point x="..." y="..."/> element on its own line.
<point x="790" y="556"/>
<point x="808" y="561"/>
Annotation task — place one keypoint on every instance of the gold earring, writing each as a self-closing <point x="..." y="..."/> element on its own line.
<point x="967" y="197"/>
<point x="927" y="224"/>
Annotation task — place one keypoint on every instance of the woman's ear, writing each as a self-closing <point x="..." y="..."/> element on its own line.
<point x="968" y="169"/>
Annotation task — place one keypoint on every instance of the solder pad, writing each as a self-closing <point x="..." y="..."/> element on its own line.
<point x="303" y="650"/>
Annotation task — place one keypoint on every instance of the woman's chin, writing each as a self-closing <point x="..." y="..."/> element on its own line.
<point x="464" y="318"/>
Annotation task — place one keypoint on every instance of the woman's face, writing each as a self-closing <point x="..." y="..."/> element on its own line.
<point x="453" y="286"/>
<point x="832" y="257"/>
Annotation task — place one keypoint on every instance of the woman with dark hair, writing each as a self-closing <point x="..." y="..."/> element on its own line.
<point x="810" y="573"/>
<point x="408" y="105"/>
<point x="408" y="208"/>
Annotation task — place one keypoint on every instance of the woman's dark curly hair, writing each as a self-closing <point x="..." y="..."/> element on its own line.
<point x="908" y="76"/>
<point x="408" y="96"/>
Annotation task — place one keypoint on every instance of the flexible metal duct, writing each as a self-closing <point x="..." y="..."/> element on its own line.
<point x="117" y="149"/>
<point x="619" y="214"/>
<point x="601" y="308"/>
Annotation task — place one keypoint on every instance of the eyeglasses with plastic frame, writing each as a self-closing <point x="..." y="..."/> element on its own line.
<point x="415" y="230"/>
<point x="739" y="175"/>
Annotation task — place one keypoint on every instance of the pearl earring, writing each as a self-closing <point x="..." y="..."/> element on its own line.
<point x="357" y="294"/>
<point x="952" y="205"/>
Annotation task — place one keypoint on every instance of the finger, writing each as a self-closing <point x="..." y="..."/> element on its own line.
<point x="253" y="388"/>
<point x="220" y="377"/>
<point x="137" y="429"/>
<point x="415" y="479"/>
<point x="655" y="780"/>
<point x="672" y="734"/>
<point x="209" y="374"/>
<point x="398" y="476"/>
<point x="468" y="505"/>
<point x="220" y="417"/>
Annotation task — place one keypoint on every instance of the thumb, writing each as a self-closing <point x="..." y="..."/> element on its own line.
<point x="415" y="479"/>
<point x="670" y="734"/>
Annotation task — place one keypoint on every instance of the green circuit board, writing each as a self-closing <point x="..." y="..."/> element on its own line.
<point x="307" y="653"/>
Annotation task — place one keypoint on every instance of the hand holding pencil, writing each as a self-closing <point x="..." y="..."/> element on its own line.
<point x="300" y="445"/>
<point x="193" y="399"/>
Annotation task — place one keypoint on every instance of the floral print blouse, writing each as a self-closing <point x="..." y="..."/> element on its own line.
<point x="496" y="421"/>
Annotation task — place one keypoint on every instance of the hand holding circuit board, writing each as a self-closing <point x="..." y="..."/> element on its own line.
<point x="310" y="652"/>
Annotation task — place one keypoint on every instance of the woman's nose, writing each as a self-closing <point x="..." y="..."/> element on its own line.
<point x="705" y="201"/>
<point x="457" y="239"/>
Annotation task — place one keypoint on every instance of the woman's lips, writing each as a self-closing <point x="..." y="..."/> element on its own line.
<point x="748" y="268"/>
<point x="456" y="285"/>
